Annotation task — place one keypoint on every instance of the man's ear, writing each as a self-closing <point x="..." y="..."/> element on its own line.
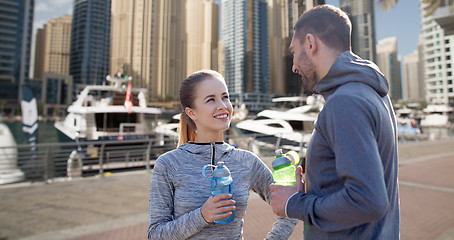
<point x="311" y="43"/>
<point x="190" y="113"/>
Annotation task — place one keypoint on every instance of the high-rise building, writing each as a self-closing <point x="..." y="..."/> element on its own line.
<point x="52" y="47"/>
<point x="131" y="40"/>
<point x="362" y="17"/>
<point x="90" y="42"/>
<point x="282" y="17"/>
<point x="159" y="43"/>
<point x="16" y="21"/>
<point x="245" y="38"/>
<point x="169" y="48"/>
<point x="202" y="31"/>
<point x="413" y="79"/>
<point x="438" y="55"/>
<point x="390" y="66"/>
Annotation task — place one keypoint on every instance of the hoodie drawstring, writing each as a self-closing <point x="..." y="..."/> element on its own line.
<point x="212" y="155"/>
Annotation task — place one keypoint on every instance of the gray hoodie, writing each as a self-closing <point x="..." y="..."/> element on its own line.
<point x="352" y="165"/>
<point x="178" y="190"/>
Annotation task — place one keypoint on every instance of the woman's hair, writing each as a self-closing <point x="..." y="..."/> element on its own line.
<point x="329" y="24"/>
<point x="187" y="129"/>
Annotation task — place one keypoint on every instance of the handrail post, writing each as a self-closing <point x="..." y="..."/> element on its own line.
<point x="46" y="165"/>
<point x="101" y="159"/>
<point x="278" y="141"/>
<point x="148" y="155"/>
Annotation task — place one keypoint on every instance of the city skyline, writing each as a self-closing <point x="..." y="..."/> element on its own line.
<point x="388" y="23"/>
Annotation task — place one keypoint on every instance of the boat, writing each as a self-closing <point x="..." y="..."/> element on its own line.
<point x="113" y="113"/>
<point x="437" y="121"/>
<point x="102" y="112"/>
<point x="436" y="116"/>
<point x="9" y="171"/>
<point x="170" y="128"/>
<point x="289" y="128"/>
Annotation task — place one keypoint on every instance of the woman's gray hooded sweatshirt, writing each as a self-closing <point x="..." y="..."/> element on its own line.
<point x="352" y="165"/>
<point x="178" y="190"/>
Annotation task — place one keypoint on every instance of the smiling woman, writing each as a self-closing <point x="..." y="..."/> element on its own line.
<point x="181" y="205"/>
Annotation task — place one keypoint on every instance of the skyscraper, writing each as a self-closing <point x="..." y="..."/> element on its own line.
<point x="52" y="47"/>
<point x="90" y="42"/>
<point x="438" y="52"/>
<point x="283" y="15"/>
<point x="362" y="17"/>
<point x="245" y="38"/>
<point x="169" y="48"/>
<point x="16" y="20"/>
<point x="390" y="66"/>
<point x="202" y="31"/>
<point x="131" y="41"/>
<point x="413" y="79"/>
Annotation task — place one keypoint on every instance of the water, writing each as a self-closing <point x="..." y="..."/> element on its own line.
<point x="47" y="133"/>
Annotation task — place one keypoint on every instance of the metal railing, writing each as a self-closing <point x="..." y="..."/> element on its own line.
<point x="44" y="162"/>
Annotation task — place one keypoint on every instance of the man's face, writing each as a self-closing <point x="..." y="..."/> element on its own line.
<point x="302" y="64"/>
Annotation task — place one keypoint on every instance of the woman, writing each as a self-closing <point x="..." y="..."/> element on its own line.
<point x="181" y="205"/>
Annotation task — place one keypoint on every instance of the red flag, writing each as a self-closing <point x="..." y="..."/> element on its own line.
<point x="128" y="101"/>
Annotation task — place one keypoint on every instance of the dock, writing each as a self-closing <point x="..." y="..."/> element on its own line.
<point x="116" y="206"/>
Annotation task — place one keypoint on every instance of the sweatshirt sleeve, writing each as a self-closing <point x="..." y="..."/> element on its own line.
<point x="349" y="129"/>
<point x="161" y="224"/>
<point x="261" y="179"/>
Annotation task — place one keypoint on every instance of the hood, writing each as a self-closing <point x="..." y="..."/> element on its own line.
<point x="348" y="67"/>
<point x="205" y="150"/>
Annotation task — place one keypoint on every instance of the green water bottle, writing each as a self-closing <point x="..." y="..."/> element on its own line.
<point x="283" y="170"/>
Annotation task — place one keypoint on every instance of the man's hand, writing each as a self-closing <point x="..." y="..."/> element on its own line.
<point x="280" y="194"/>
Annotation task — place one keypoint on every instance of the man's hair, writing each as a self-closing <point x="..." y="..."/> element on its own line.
<point x="328" y="23"/>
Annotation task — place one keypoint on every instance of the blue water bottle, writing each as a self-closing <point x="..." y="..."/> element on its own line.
<point x="221" y="182"/>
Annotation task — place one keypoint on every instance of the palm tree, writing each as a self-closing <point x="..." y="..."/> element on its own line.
<point x="432" y="4"/>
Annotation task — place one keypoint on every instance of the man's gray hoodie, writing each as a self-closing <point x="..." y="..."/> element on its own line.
<point x="178" y="190"/>
<point x="352" y="165"/>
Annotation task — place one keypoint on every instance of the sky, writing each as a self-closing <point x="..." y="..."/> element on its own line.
<point x="403" y="21"/>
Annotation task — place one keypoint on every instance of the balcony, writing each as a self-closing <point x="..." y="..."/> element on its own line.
<point x="444" y="16"/>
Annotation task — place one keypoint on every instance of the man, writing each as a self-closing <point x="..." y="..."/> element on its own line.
<point x="351" y="189"/>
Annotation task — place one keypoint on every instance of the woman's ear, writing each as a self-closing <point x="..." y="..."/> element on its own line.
<point x="191" y="114"/>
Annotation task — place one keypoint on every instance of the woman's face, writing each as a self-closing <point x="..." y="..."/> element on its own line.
<point x="212" y="110"/>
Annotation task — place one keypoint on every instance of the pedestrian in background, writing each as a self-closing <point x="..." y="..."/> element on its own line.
<point x="181" y="205"/>
<point x="351" y="189"/>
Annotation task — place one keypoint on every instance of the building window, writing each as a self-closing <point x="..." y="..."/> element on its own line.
<point x="447" y="50"/>
<point x="450" y="90"/>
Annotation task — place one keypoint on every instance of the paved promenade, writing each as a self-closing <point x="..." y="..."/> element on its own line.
<point x="115" y="207"/>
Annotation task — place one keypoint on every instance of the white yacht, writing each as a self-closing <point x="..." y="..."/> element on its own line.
<point x="292" y="127"/>
<point x="436" y="116"/>
<point x="9" y="171"/>
<point x="108" y="112"/>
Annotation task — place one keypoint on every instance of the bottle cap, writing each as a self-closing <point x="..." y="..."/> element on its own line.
<point x="280" y="161"/>
<point x="221" y="170"/>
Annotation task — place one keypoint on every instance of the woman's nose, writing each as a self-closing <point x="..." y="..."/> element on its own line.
<point x="222" y="105"/>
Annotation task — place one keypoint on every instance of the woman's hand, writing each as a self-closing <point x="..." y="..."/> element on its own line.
<point x="212" y="208"/>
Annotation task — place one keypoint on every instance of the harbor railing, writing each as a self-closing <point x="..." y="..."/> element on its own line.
<point x="44" y="162"/>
